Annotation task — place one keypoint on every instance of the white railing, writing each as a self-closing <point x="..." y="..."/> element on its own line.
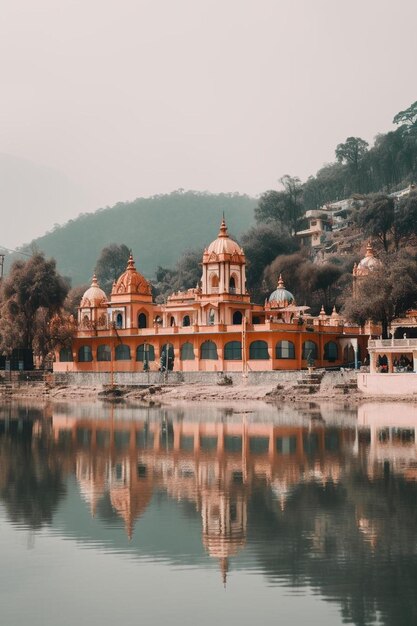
<point x="394" y="343"/>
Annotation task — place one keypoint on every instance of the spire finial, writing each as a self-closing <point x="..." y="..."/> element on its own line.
<point x="223" y="228"/>
<point x="131" y="262"/>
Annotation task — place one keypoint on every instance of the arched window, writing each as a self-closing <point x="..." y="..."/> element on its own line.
<point x="233" y="351"/>
<point x="143" y="349"/>
<point x="119" y="320"/>
<point x="211" y="316"/>
<point x="186" y="320"/>
<point x="65" y="355"/>
<point x="187" y="352"/>
<point x="85" y="354"/>
<point x="232" y="285"/>
<point x="122" y="352"/>
<point x="237" y="318"/>
<point x="309" y="350"/>
<point x="215" y="281"/>
<point x="103" y="353"/>
<point x="285" y="350"/>
<point x="258" y="350"/>
<point x="208" y="350"/>
<point x="172" y="321"/>
<point x="142" y="320"/>
<point x="331" y="351"/>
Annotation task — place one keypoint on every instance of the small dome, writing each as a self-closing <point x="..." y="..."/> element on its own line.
<point x="223" y="244"/>
<point x="131" y="282"/>
<point x="369" y="262"/>
<point x="94" y="296"/>
<point x="281" y="297"/>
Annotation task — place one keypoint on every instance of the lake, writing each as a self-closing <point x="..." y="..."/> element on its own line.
<point x="208" y="514"/>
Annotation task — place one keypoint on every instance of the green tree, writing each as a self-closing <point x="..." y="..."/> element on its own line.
<point x="377" y="218"/>
<point x="352" y="152"/>
<point x="51" y="333"/>
<point x="111" y="264"/>
<point x="311" y="283"/>
<point x="31" y="286"/>
<point x="73" y="299"/>
<point x="285" y="207"/>
<point x="262" y="244"/>
<point x="407" y="118"/>
<point x="184" y="275"/>
<point x="406" y="219"/>
<point x="386" y="293"/>
<point x="271" y="207"/>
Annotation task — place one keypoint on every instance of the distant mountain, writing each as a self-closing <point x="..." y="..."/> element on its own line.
<point x="157" y="229"/>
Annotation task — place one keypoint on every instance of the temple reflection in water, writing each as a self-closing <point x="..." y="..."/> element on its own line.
<point x="216" y="465"/>
<point x="322" y="497"/>
<point x="212" y="465"/>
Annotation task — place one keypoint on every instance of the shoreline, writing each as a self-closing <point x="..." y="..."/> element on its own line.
<point x="195" y="393"/>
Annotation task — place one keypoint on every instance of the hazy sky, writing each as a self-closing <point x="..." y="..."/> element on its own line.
<point x="114" y="100"/>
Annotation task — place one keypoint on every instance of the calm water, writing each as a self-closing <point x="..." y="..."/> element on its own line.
<point x="208" y="515"/>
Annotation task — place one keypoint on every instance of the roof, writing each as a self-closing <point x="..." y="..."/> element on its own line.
<point x="224" y="244"/>
<point x="131" y="281"/>
<point x="281" y="296"/>
<point x="94" y="296"/>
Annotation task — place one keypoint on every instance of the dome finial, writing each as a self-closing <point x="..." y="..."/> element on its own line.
<point x="223" y="228"/>
<point x="131" y="262"/>
<point x="281" y="282"/>
<point x="370" y="249"/>
<point x="94" y="282"/>
<point x="335" y="314"/>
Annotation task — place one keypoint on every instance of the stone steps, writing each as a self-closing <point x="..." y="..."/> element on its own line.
<point x="309" y="382"/>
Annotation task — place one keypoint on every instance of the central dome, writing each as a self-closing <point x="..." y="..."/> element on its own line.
<point x="223" y="244"/>
<point x="281" y="297"/>
<point x="131" y="282"/>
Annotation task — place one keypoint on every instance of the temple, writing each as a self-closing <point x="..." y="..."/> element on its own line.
<point x="213" y="327"/>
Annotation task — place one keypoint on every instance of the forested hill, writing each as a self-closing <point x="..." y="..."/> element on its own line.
<point x="157" y="229"/>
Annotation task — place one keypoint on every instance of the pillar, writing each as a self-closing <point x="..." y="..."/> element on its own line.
<point x="355" y="352"/>
<point x="415" y="361"/>
<point x="372" y="362"/>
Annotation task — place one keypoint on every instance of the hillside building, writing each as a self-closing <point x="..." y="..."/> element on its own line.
<point x="213" y="327"/>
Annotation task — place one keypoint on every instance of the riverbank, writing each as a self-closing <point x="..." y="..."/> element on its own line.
<point x="168" y="394"/>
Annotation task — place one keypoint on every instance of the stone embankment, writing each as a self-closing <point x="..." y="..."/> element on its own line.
<point x="270" y="387"/>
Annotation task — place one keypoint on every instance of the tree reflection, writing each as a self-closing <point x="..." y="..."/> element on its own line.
<point x="31" y="483"/>
<point x="355" y="543"/>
